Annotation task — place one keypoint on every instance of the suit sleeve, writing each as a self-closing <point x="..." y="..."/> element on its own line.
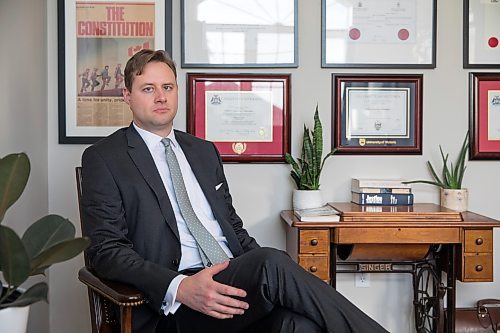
<point x="111" y="253"/>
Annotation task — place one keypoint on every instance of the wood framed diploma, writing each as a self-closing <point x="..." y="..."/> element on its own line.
<point x="481" y="34"/>
<point x="247" y="116"/>
<point x="377" y="114"/>
<point x="239" y="33"/>
<point x="378" y="33"/>
<point x="96" y="38"/>
<point x="484" y="116"/>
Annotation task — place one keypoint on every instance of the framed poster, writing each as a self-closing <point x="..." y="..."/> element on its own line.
<point x="247" y="116"/>
<point x="377" y="114"/>
<point x="239" y="33"/>
<point x="484" y="116"/>
<point x="378" y="33"/>
<point x="96" y="38"/>
<point x="481" y="34"/>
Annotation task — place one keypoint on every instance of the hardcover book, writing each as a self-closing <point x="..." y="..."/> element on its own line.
<point x="381" y="190"/>
<point x="357" y="183"/>
<point x="388" y="199"/>
<point x="324" y="213"/>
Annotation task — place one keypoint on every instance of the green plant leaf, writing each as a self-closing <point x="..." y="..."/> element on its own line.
<point x="59" y="252"/>
<point x="13" y="257"/>
<point x="46" y="232"/>
<point x="14" y="174"/>
<point x="37" y="292"/>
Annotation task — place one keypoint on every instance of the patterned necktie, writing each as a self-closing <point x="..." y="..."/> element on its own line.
<point x="210" y="250"/>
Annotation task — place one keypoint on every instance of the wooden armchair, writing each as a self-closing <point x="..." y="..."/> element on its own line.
<point x="111" y="303"/>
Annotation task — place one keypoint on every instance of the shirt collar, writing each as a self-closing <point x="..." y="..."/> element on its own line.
<point x="153" y="140"/>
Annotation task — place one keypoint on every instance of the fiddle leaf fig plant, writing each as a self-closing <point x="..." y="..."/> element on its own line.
<point x="306" y="170"/>
<point x="451" y="176"/>
<point x="47" y="241"/>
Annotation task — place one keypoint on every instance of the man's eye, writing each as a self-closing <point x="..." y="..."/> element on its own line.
<point x="148" y="89"/>
<point x="167" y="88"/>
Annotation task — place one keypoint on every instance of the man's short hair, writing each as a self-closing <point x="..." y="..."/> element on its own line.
<point x="136" y="64"/>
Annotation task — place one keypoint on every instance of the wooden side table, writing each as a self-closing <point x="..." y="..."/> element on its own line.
<point x="384" y="231"/>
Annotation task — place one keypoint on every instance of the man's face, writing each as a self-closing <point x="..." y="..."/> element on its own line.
<point x="153" y="99"/>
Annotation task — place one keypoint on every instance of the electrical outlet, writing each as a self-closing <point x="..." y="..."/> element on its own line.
<point x="362" y="280"/>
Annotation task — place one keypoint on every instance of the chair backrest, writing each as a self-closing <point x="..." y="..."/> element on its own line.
<point x="102" y="311"/>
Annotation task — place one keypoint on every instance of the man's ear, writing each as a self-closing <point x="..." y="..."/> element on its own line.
<point x="126" y="95"/>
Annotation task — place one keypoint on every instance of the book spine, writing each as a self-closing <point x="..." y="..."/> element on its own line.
<point x="388" y="199"/>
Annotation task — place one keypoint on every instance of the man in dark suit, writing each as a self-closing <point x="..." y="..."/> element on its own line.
<point x="142" y="236"/>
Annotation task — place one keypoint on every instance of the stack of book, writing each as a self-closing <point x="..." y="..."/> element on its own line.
<point x="324" y="213"/>
<point x="390" y="192"/>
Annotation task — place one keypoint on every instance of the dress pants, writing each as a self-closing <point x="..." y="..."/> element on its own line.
<point x="282" y="297"/>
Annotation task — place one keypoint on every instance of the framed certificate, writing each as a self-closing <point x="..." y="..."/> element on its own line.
<point x="239" y="33"/>
<point x="246" y="116"/>
<point x="378" y="33"/>
<point x="96" y="38"/>
<point x="481" y="34"/>
<point x="484" y="116"/>
<point x="377" y="114"/>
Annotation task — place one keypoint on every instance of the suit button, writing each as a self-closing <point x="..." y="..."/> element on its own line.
<point x="175" y="262"/>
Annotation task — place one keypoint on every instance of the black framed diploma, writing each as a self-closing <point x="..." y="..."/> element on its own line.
<point x="377" y="114"/>
<point x="481" y="34"/>
<point x="378" y="33"/>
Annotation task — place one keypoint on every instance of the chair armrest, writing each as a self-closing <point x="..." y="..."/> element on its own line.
<point x="118" y="293"/>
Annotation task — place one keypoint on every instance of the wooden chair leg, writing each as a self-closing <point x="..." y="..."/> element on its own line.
<point x="126" y="318"/>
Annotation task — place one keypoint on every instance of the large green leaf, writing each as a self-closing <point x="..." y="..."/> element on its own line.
<point x="14" y="173"/>
<point x="13" y="257"/>
<point x="59" y="252"/>
<point x="46" y="232"/>
<point x="37" y="292"/>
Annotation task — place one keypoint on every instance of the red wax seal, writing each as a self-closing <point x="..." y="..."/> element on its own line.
<point x="493" y="42"/>
<point x="354" y="33"/>
<point x="403" y="34"/>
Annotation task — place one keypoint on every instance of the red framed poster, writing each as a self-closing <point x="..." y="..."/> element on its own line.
<point x="247" y="116"/>
<point x="484" y="116"/>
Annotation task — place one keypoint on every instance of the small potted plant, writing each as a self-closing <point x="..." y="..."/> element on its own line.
<point x="453" y="196"/>
<point x="47" y="241"/>
<point x="306" y="170"/>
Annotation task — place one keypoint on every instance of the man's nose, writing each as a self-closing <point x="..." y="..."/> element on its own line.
<point x="160" y="96"/>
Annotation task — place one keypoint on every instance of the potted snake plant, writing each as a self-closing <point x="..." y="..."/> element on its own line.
<point x="452" y="195"/>
<point x="306" y="170"/>
<point x="47" y="241"/>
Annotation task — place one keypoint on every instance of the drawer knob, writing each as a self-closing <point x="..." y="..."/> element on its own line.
<point x="479" y="241"/>
<point x="314" y="242"/>
<point x="479" y="268"/>
<point x="313" y="269"/>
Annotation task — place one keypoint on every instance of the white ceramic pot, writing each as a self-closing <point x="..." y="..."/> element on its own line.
<point x="303" y="199"/>
<point x="14" y="320"/>
<point x="455" y="199"/>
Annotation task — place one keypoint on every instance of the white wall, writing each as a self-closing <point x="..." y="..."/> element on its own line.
<point x="23" y="110"/>
<point x="261" y="191"/>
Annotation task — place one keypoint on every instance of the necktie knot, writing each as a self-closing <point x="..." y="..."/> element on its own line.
<point x="166" y="142"/>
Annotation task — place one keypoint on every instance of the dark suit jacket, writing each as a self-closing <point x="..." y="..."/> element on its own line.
<point x="129" y="218"/>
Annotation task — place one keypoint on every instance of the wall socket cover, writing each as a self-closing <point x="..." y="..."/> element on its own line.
<point x="362" y="280"/>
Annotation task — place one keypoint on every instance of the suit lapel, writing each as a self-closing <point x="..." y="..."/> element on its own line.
<point x="199" y="167"/>
<point x="142" y="159"/>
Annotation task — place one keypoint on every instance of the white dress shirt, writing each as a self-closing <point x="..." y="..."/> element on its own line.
<point x="190" y="255"/>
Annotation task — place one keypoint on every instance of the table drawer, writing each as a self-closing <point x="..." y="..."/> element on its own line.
<point x="314" y="241"/>
<point x="478" y="267"/>
<point x="478" y="240"/>
<point x="317" y="265"/>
